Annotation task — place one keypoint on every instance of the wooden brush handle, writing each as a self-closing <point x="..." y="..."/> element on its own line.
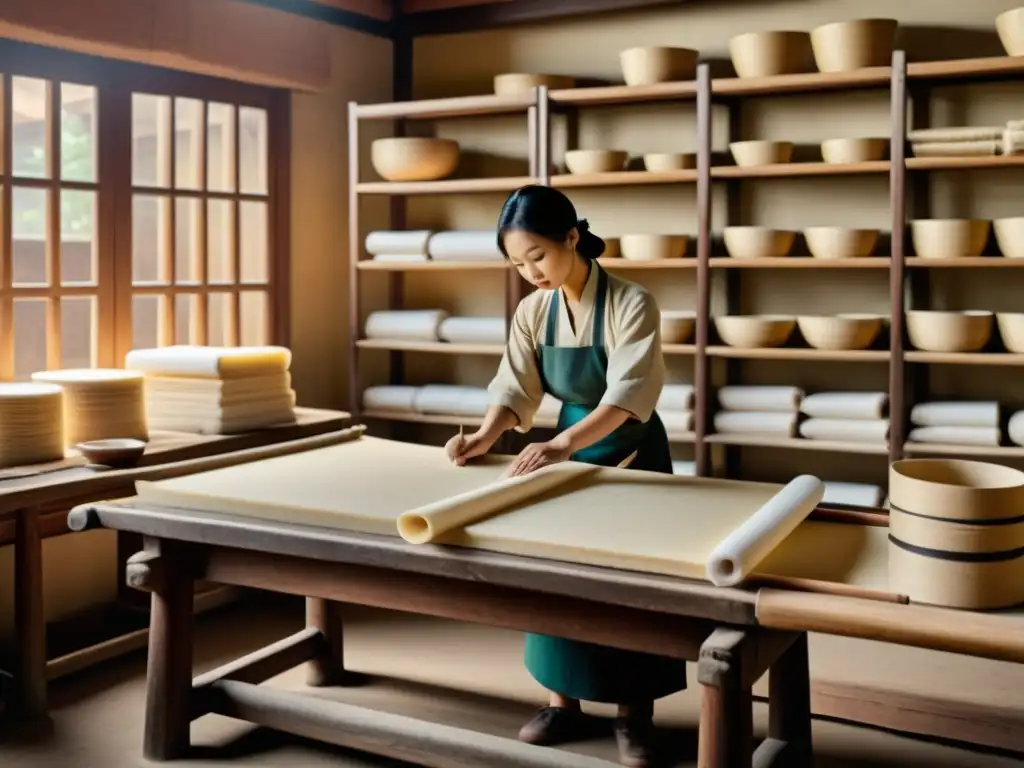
<point x="829" y="588"/>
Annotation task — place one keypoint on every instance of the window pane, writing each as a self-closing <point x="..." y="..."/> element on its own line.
<point x="218" y="319"/>
<point x="188" y="138"/>
<point x="150" y="144"/>
<point x="220" y="147"/>
<point x="220" y="232"/>
<point x="77" y="132"/>
<point x="29" y="225"/>
<point x="188" y="251"/>
<point x="77" y="237"/>
<point x="149" y="238"/>
<point x="185" y="317"/>
<point x="30" y="105"/>
<point x="29" y="337"/>
<point x="254" y="235"/>
<point x="255" y="318"/>
<point x="78" y="331"/>
<point x="252" y="150"/>
<point x="146" y="314"/>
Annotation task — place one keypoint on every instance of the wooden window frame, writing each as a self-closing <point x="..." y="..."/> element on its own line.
<point x="115" y="81"/>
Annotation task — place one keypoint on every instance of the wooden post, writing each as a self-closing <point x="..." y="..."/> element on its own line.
<point x="789" y="703"/>
<point x="328" y="667"/>
<point x="29" y="618"/>
<point x="726" y="705"/>
<point x="169" y="673"/>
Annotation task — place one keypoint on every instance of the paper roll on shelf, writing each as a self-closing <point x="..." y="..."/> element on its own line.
<point x="396" y="398"/>
<point x="845" y="405"/>
<point x="754" y="423"/>
<point x="991" y="436"/>
<point x="423" y="525"/>
<point x="1015" y="428"/>
<point x="676" y="397"/>
<point x="846" y="430"/>
<point x="853" y="494"/>
<point x="955" y="414"/>
<point x="405" y="324"/>
<point x="473" y="330"/>
<point x="400" y="258"/>
<point x="392" y="242"/>
<point x="757" y="398"/>
<point x="465" y="245"/>
<point x="676" y="421"/>
<point x="453" y="400"/>
<point x="741" y="551"/>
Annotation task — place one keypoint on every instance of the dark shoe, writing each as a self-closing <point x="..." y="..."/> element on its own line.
<point x="634" y="736"/>
<point x="554" y="725"/>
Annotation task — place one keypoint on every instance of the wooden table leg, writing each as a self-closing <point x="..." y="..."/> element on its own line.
<point x="29" y="619"/>
<point x="169" y="671"/>
<point x="726" y="712"/>
<point x="327" y="668"/>
<point x="789" y="703"/>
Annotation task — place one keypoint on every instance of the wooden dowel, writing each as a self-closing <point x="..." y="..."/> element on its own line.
<point x="267" y="662"/>
<point x="851" y="516"/>
<point x="829" y="588"/>
<point x="965" y="632"/>
<point x="380" y="733"/>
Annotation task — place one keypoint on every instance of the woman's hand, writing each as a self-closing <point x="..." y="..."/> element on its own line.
<point x="462" y="448"/>
<point x="537" y="455"/>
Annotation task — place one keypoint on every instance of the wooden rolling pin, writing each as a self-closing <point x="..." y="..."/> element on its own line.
<point x="828" y="588"/>
<point x="990" y="636"/>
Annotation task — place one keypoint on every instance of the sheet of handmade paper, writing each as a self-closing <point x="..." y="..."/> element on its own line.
<point x="362" y="485"/>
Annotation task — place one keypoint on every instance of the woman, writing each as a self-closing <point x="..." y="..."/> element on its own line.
<point x="593" y="341"/>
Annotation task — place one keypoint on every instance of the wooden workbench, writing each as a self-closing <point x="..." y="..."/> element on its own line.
<point x="712" y="626"/>
<point x="34" y="507"/>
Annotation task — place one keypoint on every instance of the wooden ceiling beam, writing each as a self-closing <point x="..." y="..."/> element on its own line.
<point x="460" y="17"/>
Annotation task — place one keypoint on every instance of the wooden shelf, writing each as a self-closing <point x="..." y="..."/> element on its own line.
<point x="432" y="266"/>
<point x="937" y="449"/>
<point x="446" y="187"/>
<point x="801" y="262"/>
<point x="618" y="262"/>
<point x="797" y="443"/>
<point x="964" y="358"/>
<point x="465" y="106"/>
<point x="974" y="262"/>
<point x="795" y="170"/>
<point x="802" y="353"/>
<point x="679" y="349"/>
<point x="622" y="179"/>
<point x="432" y="347"/>
<point x="697" y="92"/>
<point x="964" y="163"/>
<point x="603" y="96"/>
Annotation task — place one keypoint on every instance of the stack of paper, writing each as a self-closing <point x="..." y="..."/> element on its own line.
<point x="215" y="390"/>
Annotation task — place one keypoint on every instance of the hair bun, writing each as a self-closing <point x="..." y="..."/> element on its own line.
<point x="582" y="225"/>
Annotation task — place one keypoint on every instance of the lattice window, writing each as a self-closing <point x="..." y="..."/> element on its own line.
<point x="55" y="287"/>
<point x="201" y="222"/>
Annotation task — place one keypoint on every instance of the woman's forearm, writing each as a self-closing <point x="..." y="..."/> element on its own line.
<point x="498" y="421"/>
<point x="604" y="420"/>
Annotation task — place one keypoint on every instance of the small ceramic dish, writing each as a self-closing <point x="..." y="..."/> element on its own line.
<point x="116" y="453"/>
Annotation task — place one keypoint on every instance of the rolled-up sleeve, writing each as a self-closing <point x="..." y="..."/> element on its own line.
<point x="636" y="367"/>
<point x="517" y="385"/>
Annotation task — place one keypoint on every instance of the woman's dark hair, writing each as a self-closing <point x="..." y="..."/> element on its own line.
<point x="546" y="212"/>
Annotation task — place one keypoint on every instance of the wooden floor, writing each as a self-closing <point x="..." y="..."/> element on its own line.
<point x="462" y="675"/>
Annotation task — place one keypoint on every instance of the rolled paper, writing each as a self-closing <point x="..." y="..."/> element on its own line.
<point x="743" y="549"/>
<point x="955" y="414"/>
<point x="390" y="243"/>
<point x="754" y="398"/>
<point x="405" y="324"/>
<point x="423" y="525"/>
<point x="845" y="405"/>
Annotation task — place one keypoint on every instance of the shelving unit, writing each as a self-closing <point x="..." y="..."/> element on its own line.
<point x="903" y="271"/>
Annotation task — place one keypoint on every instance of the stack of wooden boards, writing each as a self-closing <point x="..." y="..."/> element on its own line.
<point x="215" y="390"/>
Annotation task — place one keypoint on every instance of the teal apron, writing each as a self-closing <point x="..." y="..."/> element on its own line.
<point x="578" y="377"/>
